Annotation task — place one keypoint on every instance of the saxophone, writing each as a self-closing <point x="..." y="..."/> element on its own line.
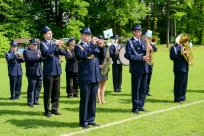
<point x="182" y="40"/>
<point x="106" y="62"/>
<point x="149" y="52"/>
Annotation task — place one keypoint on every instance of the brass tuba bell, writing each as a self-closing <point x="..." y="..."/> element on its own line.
<point x="183" y="41"/>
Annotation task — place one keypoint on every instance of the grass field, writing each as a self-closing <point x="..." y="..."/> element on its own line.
<point x="164" y="118"/>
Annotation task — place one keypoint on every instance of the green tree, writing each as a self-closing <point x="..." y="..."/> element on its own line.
<point x="4" y="46"/>
<point x="15" y="21"/>
<point x="119" y="15"/>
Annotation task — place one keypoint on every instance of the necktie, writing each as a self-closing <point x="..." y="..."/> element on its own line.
<point x="118" y="46"/>
<point x="138" y="41"/>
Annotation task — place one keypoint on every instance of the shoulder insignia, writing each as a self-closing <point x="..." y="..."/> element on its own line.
<point x="80" y="47"/>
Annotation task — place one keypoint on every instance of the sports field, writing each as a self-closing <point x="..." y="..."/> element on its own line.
<point x="164" y="118"/>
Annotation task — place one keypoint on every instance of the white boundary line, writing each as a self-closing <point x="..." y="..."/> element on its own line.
<point x="132" y="118"/>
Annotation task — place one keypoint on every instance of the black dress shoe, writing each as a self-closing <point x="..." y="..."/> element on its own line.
<point x="30" y="105"/>
<point x="11" y="98"/>
<point x="143" y="110"/>
<point x="75" y="95"/>
<point x="119" y="90"/>
<point x="37" y="103"/>
<point x="94" y="124"/>
<point x="48" y="114"/>
<point x="55" y="112"/>
<point x="17" y="98"/>
<point x="136" y="111"/>
<point x="148" y="94"/>
<point x="69" y="96"/>
<point x="115" y="90"/>
<point x="85" y="127"/>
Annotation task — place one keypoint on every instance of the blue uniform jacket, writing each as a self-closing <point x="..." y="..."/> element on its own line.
<point x="50" y="54"/>
<point x="89" y="71"/>
<point x="137" y="65"/>
<point x="180" y="64"/>
<point x="14" y="64"/>
<point x="113" y="55"/>
<point x="32" y="62"/>
<point x="71" y="65"/>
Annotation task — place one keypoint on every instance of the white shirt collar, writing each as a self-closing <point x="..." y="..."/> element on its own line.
<point x="136" y="38"/>
<point x="85" y="43"/>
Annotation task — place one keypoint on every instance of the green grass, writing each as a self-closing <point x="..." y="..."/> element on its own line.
<point x="16" y="118"/>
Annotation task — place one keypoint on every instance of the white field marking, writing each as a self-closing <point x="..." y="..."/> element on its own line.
<point x="132" y="118"/>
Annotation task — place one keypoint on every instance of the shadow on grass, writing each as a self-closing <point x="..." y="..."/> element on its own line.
<point x="102" y="110"/>
<point x="195" y="91"/>
<point x="35" y="123"/>
<point x="129" y="101"/>
<point x="126" y="101"/>
<point x="70" y="101"/>
<point x="64" y="87"/>
<point x="5" y="98"/>
<point x="12" y="103"/>
<point x="40" y="97"/>
<point x="159" y="101"/>
<point x="18" y="112"/>
<point x="112" y="93"/>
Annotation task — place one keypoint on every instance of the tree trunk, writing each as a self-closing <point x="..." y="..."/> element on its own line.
<point x="168" y="23"/>
<point x="175" y="28"/>
<point x="201" y="35"/>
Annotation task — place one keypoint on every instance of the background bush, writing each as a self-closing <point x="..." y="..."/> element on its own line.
<point x="4" y="45"/>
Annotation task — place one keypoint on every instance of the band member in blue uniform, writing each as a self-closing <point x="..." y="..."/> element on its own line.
<point x="135" y="53"/>
<point x="116" y="66"/>
<point x="33" y="61"/>
<point x="87" y="55"/>
<point x="180" y="69"/>
<point x="150" y="66"/>
<point x="50" y="52"/>
<point x="71" y="70"/>
<point x="14" y="60"/>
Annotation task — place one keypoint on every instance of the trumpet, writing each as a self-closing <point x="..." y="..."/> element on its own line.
<point x="19" y="55"/>
<point x="59" y="43"/>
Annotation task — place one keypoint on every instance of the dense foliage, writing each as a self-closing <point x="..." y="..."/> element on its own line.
<point x="167" y="18"/>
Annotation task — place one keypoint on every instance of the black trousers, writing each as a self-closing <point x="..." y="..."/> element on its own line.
<point x="117" y="76"/>
<point x="180" y="86"/>
<point x="139" y="87"/>
<point x="71" y="83"/>
<point x="51" y="90"/>
<point x="149" y="78"/>
<point x="87" y="105"/>
<point x="15" y="86"/>
<point x="34" y="87"/>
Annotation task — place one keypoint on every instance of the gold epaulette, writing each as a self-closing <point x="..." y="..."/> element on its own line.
<point x="80" y="47"/>
<point x="89" y="57"/>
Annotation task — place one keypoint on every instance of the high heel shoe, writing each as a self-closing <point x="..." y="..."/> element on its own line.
<point x="103" y="101"/>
